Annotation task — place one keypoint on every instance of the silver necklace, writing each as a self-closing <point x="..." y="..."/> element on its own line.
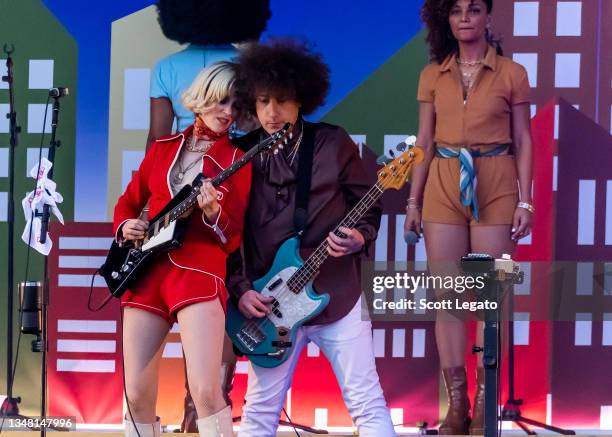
<point x="180" y="175"/>
<point x="178" y="178"/>
<point x="293" y="153"/>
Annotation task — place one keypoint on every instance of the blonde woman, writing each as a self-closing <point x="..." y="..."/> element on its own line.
<point x="186" y="285"/>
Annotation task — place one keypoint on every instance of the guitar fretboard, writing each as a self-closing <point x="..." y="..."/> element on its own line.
<point x="180" y="209"/>
<point x="311" y="266"/>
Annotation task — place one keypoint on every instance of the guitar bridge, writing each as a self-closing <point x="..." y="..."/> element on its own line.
<point x="250" y="336"/>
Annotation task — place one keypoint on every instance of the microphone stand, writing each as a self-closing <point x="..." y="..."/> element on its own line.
<point x="9" y="406"/>
<point x="44" y="217"/>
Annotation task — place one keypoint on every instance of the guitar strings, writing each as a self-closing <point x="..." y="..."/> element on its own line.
<point x="284" y="296"/>
<point x="320" y="254"/>
<point x="269" y="142"/>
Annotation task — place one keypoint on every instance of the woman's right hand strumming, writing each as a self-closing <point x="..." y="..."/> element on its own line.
<point x="134" y="229"/>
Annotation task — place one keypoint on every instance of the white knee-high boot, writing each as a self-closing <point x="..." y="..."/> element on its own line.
<point x="144" y="429"/>
<point x="217" y="425"/>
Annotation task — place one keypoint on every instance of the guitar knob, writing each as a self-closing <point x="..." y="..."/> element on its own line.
<point x="126" y="268"/>
<point x="115" y="275"/>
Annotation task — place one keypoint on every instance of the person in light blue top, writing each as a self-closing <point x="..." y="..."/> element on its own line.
<point x="212" y="28"/>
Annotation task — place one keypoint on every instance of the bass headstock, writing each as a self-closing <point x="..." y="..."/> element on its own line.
<point x="396" y="172"/>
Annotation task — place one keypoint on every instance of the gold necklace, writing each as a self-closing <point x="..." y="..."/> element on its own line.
<point x="192" y="145"/>
<point x="468" y="78"/>
<point x="469" y="63"/>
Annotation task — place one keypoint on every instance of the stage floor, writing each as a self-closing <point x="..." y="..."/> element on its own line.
<point x="587" y="433"/>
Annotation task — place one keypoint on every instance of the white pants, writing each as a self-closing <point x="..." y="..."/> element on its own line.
<point x="347" y="344"/>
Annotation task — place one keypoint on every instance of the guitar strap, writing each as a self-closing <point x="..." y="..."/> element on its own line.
<point x="304" y="178"/>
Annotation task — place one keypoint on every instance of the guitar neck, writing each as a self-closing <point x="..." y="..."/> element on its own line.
<point x="312" y="265"/>
<point x="216" y="181"/>
<point x="192" y="199"/>
<point x="237" y="165"/>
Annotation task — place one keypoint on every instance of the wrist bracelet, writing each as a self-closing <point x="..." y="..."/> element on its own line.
<point x="412" y="203"/>
<point x="528" y="206"/>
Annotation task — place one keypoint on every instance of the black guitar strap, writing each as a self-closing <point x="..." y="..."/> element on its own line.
<point x="304" y="177"/>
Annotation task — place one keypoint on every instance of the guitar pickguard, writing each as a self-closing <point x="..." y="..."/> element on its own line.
<point x="165" y="235"/>
<point x="292" y="308"/>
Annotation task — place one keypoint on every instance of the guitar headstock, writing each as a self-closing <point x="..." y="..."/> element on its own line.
<point x="278" y="139"/>
<point x="396" y="172"/>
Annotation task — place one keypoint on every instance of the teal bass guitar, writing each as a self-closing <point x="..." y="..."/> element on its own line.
<point x="268" y="341"/>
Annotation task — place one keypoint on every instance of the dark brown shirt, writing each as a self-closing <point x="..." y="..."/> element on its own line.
<point x="339" y="181"/>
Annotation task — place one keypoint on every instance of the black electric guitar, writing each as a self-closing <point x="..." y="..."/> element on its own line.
<point x="127" y="260"/>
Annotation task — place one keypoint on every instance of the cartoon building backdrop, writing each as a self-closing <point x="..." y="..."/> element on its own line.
<point x="105" y="55"/>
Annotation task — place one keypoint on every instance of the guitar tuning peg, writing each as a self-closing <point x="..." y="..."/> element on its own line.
<point x="290" y="135"/>
<point x="391" y="153"/>
<point x="382" y="160"/>
<point x="281" y="146"/>
<point x="401" y="146"/>
<point x="276" y="151"/>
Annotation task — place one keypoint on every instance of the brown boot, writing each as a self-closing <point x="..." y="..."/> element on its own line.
<point x="457" y="419"/>
<point x="477" y="425"/>
<point x="190" y="415"/>
<point x="227" y="380"/>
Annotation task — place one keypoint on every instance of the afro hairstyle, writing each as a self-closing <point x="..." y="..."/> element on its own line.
<point x="213" y="22"/>
<point x="283" y="68"/>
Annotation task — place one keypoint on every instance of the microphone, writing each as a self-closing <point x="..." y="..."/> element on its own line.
<point x="411" y="237"/>
<point x="58" y="92"/>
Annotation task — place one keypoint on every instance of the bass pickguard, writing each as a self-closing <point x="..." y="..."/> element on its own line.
<point x="269" y="341"/>
<point x="289" y="308"/>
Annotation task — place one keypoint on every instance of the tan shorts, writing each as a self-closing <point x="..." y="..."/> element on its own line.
<point x="497" y="192"/>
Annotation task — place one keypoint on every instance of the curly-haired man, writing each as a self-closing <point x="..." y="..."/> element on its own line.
<point x="281" y="82"/>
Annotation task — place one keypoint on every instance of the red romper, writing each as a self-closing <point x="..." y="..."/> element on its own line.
<point x="194" y="272"/>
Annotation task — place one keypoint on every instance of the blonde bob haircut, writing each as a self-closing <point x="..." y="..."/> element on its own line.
<point x="213" y="84"/>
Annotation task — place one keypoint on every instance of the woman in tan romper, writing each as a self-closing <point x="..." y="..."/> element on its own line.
<point x="474" y="185"/>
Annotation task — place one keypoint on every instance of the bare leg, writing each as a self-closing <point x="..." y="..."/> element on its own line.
<point x="446" y="244"/>
<point x="143" y="335"/>
<point x="202" y="334"/>
<point x="228" y="367"/>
